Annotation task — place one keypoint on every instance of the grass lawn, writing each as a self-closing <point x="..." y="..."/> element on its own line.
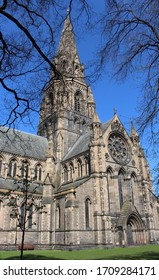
<point x="148" y="252"/>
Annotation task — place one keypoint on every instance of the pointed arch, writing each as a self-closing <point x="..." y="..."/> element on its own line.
<point x="24" y="169"/>
<point x="71" y="170"/>
<point x="12" y="168"/>
<point x="135" y="230"/>
<point x="87" y="212"/>
<point x="78" y="101"/>
<point x="65" y="173"/>
<point x="38" y="172"/>
<point x="79" y="167"/>
<point x="22" y="215"/>
<point x="109" y="178"/>
<point x="133" y="185"/>
<point x="121" y="179"/>
<point x="86" y="165"/>
<point x="57" y="217"/>
<point x="30" y="216"/>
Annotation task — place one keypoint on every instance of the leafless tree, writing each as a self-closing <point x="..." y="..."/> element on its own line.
<point x="23" y="211"/>
<point x="131" y="42"/>
<point x="28" y="33"/>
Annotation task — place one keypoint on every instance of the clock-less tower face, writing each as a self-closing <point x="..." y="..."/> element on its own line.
<point x="118" y="148"/>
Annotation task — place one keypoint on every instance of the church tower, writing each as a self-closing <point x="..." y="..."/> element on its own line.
<point x="68" y="105"/>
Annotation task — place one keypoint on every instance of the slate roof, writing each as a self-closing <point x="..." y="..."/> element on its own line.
<point x="73" y="185"/>
<point x="8" y="184"/>
<point x="82" y="143"/>
<point x="23" y="144"/>
<point x="80" y="146"/>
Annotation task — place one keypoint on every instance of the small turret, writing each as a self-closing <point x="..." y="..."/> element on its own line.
<point x="96" y="127"/>
<point x="134" y="135"/>
<point x="90" y="103"/>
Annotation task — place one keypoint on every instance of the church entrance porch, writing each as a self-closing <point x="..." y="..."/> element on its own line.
<point x="135" y="230"/>
<point x="131" y="227"/>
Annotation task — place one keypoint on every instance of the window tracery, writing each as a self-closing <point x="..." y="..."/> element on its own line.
<point x="118" y="148"/>
<point x="38" y="172"/>
<point x="109" y="174"/>
<point x="71" y="171"/>
<point x="26" y="215"/>
<point x="25" y="169"/>
<point x="65" y="173"/>
<point x="79" y="167"/>
<point x="120" y="186"/>
<point x="86" y="163"/>
<point x="12" y="168"/>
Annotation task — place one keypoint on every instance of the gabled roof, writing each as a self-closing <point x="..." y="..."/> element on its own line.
<point x="80" y="146"/>
<point x="23" y="144"/>
<point x="82" y="143"/>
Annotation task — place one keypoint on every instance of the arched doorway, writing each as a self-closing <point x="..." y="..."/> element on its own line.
<point x="135" y="230"/>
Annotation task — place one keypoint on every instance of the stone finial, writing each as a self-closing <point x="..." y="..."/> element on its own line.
<point x="115" y="111"/>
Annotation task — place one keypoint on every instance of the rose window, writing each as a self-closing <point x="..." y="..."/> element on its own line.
<point x="118" y="148"/>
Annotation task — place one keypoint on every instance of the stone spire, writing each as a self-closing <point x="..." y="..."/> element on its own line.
<point x="67" y="59"/>
<point x="67" y="42"/>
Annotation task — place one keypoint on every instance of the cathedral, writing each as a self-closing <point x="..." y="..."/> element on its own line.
<point x="90" y="180"/>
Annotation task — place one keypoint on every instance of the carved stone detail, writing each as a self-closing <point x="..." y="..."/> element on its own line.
<point x="118" y="148"/>
<point x="116" y="125"/>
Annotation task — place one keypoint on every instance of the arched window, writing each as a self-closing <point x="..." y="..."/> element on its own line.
<point x="26" y="215"/>
<point x="79" y="168"/>
<point x="22" y="215"/>
<point x="38" y="172"/>
<point x="30" y="216"/>
<point x="87" y="212"/>
<point x="109" y="185"/>
<point x="133" y="184"/>
<point x="65" y="173"/>
<point x="120" y="186"/>
<point x="12" y="168"/>
<point x="86" y="163"/>
<point x="24" y="169"/>
<point x="57" y="217"/>
<point x="71" y="171"/>
<point x="77" y="101"/>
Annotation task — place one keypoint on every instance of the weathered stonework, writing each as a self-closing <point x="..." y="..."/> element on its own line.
<point x="93" y="179"/>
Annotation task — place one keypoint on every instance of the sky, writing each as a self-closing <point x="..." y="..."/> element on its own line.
<point x="109" y="94"/>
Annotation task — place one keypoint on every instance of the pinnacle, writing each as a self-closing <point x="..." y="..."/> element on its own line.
<point x="133" y="130"/>
<point x="96" y="118"/>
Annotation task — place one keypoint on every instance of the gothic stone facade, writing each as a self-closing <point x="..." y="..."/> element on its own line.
<point x="93" y="178"/>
